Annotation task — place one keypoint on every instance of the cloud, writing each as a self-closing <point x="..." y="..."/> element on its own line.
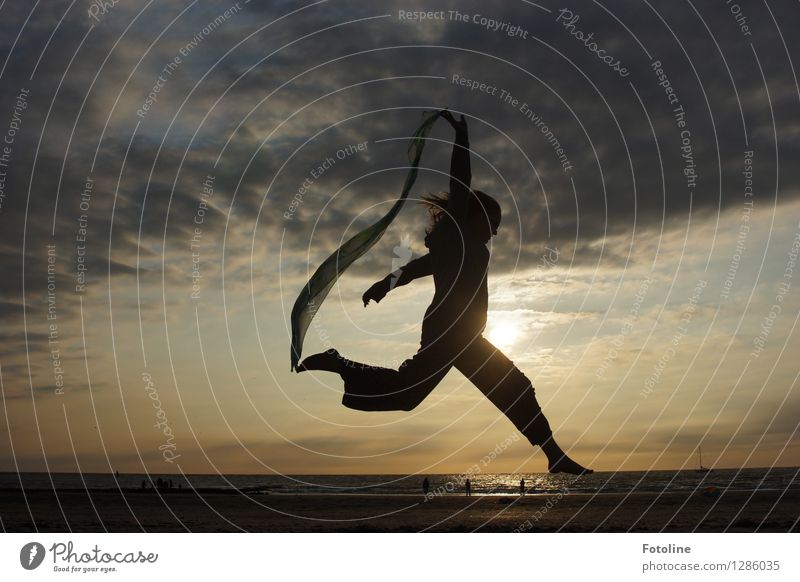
<point x="261" y="109"/>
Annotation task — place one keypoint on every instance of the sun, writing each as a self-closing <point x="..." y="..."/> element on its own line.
<point x="503" y="334"/>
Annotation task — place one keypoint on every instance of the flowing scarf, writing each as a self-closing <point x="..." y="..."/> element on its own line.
<point x="314" y="292"/>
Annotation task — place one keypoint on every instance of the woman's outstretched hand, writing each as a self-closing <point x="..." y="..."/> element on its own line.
<point x="376" y="293"/>
<point x="459" y="126"/>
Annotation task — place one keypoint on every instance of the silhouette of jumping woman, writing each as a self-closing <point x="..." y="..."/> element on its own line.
<point x="463" y="221"/>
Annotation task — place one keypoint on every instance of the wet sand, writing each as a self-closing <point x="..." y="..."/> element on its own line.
<point x="214" y="511"/>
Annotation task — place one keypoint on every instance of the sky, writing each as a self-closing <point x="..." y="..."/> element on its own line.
<point x="173" y="172"/>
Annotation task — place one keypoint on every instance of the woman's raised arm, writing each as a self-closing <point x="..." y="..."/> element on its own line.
<point x="420" y="267"/>
<point x="460" y="171"/>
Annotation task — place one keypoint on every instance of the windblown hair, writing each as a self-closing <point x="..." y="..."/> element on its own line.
<point x="438" y="207"/>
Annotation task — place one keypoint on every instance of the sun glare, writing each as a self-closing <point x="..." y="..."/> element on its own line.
<point x="503" y="334"/>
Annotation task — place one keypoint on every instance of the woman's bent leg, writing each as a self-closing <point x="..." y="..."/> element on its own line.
<point x="372" y="388"/>
<point x="507" y="388"/>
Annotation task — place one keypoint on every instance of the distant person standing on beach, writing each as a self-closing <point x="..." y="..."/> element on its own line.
<point x="468" y="488"/>
<point x="425" y="486"/>
<point x="522" y="487"/>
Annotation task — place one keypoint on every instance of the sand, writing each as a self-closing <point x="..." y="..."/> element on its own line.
<point x="212" y="511"/>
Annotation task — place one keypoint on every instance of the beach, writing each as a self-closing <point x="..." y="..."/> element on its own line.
<point x="216" y="511"/>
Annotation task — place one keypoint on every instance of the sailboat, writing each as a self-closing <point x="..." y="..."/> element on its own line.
<point x="701" y="468"/>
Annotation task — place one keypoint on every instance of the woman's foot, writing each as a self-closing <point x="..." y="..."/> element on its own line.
<point x="566" y="465"/>
<point x="328" y="361"/>
<point x="559" y="462"/>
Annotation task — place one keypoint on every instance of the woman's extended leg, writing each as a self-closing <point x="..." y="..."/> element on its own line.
<point x="512" y="392"/>
<point x="372" y="388"/>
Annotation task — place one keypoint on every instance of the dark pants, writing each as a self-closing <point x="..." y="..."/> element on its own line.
<point x="372" y="388"/>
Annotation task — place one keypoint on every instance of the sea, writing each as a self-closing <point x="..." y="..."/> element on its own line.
<point x="716" y="480"/>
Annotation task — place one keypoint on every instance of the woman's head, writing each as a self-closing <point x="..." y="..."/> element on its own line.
<point x="483" y="217"/>
<point x="486" y="216"/>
